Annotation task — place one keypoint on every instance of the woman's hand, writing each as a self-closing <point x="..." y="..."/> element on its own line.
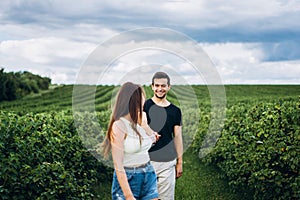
<point x="130" y="197"/>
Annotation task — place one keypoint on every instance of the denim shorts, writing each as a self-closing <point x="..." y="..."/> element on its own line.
<point x="142" y="182"/>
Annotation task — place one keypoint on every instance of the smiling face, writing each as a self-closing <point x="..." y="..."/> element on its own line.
<point x="160" y="87"/>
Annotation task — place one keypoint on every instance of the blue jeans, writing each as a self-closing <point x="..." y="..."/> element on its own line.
<point x="142" y="182"/>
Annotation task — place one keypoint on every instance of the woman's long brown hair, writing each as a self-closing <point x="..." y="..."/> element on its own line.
<point x="129" y="100"/>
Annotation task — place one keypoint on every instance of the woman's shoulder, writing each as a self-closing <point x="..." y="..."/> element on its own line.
<point x="119" y="125"/>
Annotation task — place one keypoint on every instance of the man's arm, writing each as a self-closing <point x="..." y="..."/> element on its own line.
<point x="179" y="149"/>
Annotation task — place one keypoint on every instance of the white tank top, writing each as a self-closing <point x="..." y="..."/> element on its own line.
<point x="134" y="152"/>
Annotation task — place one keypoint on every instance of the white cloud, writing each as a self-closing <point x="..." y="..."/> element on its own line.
<point x="235" y="62"/>
<point x="244" y="63"/>
<point x="56" y="58"/>
<point x="234" y="52"/>
<point x="45" y="50"/>
<point x="54" y="38"/>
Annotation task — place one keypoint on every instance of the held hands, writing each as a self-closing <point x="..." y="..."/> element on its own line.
<point x="157" y="136"/>
<point x="154" y="137"/>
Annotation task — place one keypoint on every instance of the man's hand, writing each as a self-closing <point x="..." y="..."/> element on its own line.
<point x="178" y="170"/>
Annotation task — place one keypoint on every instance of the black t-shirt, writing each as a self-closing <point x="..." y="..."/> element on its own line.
<point x="163" y="120"/>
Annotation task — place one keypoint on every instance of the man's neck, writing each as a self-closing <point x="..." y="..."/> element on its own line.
<point x="161" y="102"/>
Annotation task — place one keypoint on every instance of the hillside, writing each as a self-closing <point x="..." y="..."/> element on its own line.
<point x="60" y="97"/>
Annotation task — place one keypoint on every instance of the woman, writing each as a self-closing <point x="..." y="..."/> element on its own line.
<point x="129" y="138"/>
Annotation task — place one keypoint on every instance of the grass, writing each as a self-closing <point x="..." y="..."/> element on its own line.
<point x="199" y="181"/>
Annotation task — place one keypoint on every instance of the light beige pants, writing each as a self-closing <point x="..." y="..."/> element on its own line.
<point x="165" y="172"/>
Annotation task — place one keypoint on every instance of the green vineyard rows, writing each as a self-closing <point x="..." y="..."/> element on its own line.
<point x="49" y="140"/>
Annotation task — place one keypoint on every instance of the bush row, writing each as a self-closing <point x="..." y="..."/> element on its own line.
<point x="42" y="157"/>
<point x="259" y="148"/>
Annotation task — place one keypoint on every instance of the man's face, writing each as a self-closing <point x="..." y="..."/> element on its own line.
<point x="160" y="87"/>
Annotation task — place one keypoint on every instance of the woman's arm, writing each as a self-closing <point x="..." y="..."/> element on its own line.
<point x="117" y="155"/>
<point x="154" y="135"/>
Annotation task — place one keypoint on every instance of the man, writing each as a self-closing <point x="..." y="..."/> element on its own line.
<point x="165" y="118"/>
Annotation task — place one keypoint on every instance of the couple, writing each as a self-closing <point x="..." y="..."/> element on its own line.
<point x="140" y="131"/>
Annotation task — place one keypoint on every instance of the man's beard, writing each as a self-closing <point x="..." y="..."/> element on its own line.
<point x="163" y="96"/>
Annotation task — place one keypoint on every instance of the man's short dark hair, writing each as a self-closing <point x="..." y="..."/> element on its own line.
<point x="159" y="75"/>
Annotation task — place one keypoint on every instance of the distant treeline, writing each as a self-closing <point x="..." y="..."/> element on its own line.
<point x="15" y="85"/>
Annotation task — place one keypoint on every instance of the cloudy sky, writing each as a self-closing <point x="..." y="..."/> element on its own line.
<point x="248" y="42"/>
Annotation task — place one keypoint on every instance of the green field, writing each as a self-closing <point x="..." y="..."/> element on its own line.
<point x="256" y="156"/>
<point x="59" y="97"/>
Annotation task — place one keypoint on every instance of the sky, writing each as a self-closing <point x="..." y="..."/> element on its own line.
<point x="247" y="42"/>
